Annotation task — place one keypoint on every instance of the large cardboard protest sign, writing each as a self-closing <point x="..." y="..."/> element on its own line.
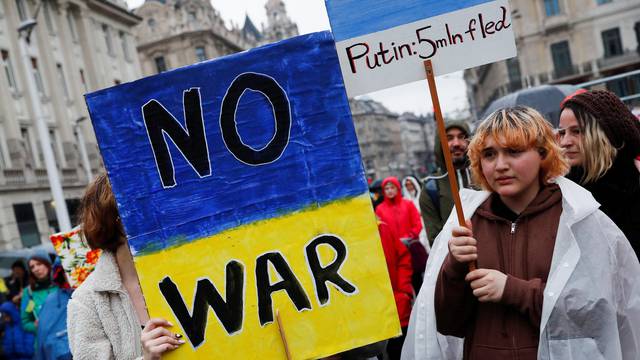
<point x="240" y="185"/>
<point x="383" y="43"/>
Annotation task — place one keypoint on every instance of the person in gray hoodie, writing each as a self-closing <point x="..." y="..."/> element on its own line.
<point x="435" y="200"/>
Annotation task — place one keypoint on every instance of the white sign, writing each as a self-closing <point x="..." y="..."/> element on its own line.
<point x="454" y="41"/>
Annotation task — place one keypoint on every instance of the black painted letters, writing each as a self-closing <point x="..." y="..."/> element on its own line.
<point x="191" y="142"/>
<point x="289" y="283"/>
<point x="280" y="103"/>
<point x="229" y="312"/>
<point x="329" y="273"/>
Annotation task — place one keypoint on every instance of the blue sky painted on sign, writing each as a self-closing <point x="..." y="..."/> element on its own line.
<point x="352" y="18"/>
<point x="320" y="164"/>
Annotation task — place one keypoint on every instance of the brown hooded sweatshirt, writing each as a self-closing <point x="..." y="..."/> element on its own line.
<point x="520" y="246"/>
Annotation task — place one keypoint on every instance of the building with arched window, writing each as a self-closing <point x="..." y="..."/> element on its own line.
<point x="177" y="33"/>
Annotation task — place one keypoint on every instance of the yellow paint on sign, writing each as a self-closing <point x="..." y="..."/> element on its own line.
<point x="345" y="322"/>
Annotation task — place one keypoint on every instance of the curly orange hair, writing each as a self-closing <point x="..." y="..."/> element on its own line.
<point x="518" y="128"/>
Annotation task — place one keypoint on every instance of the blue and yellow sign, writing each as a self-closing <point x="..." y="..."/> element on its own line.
<point x="240" y="185"/>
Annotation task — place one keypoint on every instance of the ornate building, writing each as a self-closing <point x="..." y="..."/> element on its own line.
<point x="392" y="145"/>
<point x="279" y="26"/>
<point x="564" y="41"/>
<point x="177" y="33"/>
<point x="78" y="46"/>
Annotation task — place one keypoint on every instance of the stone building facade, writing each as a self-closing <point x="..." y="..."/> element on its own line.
<point x="418" y="133"/>
<point x="279" y="25"/>
<point x="380" y="139"/>
<point x="78" y="46"/>
<point x="177" y="33"/>
<point x="564" y="41"/>
<point x="392" y="144"/>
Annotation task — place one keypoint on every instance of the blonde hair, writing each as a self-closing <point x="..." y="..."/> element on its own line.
<point x="518" y="128"/>
<point x="597" y="152"/>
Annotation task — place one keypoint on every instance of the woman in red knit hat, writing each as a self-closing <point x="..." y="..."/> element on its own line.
<point x="601" y="138"/>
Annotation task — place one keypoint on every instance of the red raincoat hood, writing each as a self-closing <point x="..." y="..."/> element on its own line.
<point x="394" y="180"/>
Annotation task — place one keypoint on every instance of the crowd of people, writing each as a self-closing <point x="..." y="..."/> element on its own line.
<point x="545" y="268"/>
<point x="34" y="310"/>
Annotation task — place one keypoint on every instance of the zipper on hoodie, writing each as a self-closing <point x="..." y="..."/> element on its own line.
<point x="514" y="349"/>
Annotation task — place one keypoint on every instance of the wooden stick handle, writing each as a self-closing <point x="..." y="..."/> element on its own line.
<point x="442" y="132"/>
<point x="283" y="336"/>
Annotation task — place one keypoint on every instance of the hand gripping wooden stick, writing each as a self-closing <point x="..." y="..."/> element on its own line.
<point x="428" y="67"/>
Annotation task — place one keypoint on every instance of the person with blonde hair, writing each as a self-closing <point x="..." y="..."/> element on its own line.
<point x="107" y="316"/>
<point x="601" y="139"/>
<point x="555" y="277"/>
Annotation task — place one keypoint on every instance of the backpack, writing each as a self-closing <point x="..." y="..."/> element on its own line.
<point x="431" y="187"/>
<point x="52" y="342"/>
<point x="419" y="258"/>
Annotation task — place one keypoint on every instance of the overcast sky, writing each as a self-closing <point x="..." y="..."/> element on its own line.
<point x="311" y="16"/>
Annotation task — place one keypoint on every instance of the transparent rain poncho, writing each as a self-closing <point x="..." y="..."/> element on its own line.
<point x="591" y="307"/>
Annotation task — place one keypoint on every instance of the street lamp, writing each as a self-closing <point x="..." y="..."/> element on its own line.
<point x="83" y="149"/>
<point x="24" y="34"/>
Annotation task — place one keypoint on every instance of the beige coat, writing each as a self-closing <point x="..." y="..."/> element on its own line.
<point x="101" y="320"/>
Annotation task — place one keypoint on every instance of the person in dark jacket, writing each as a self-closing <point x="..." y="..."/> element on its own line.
<point x="601" y="139"/>
<point x="375" y="190"/>
<point x="15" y="282"/>
<point x="435" y="213"/>
<point x="16" y="343"/>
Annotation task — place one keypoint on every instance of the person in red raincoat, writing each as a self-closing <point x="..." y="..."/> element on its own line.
<point x="403" y="218"/>
<point x="400" y="214"/>
<point x="400" y="271"/>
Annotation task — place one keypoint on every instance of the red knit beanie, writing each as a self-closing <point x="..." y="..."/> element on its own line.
<point x="613" y="116"/>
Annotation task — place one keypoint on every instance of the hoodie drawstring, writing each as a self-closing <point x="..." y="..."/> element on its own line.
<point x="503" y="270"/>
<point x="468" y="177"/>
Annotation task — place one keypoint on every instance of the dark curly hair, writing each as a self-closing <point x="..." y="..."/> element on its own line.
<point x="99" y="216"/>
